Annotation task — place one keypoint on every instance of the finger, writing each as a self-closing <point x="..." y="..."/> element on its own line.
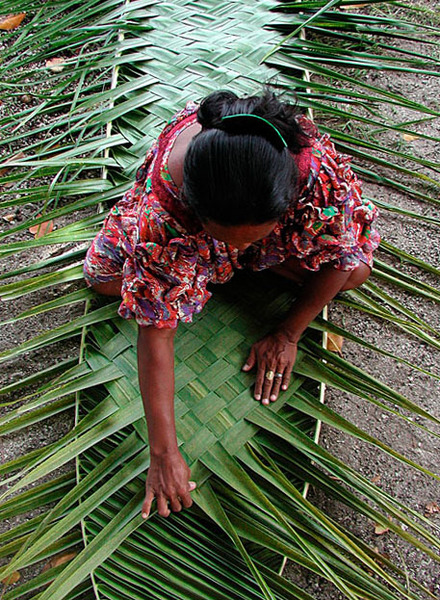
<point x="250" y="363"/>
<point x="286" y="377"/>
<point x="278" y="378"/>
<point x="185" y="499"/>
<point x="146" y="506"/>
<point x="259" y="381"/>
<point x="162" y="506"/>
<point x="175" y="504"/>
<point x="267" y="385"/>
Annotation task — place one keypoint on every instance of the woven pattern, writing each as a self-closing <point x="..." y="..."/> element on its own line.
<point x="213" y="395"/>
<point x="213" y="399"/>
<point x="249" y="461"/>
<point x="194" y="49"/>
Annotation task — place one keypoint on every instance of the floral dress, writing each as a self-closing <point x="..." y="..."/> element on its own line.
<point x="166" y="259"/>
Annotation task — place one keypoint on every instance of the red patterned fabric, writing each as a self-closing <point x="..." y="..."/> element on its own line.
<point x="166" y="259"/>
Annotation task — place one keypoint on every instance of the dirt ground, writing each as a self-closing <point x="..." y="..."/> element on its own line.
<point x="408" y="485"/>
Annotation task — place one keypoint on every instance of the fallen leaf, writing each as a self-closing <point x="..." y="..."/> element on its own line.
<point x="11" y="21"/>
<point x="380" y="529"/>
<point x="8" y="218"/>
<point x="353" y="6"/>
<point x="431" y="508"/>
<point x="35" y="228"/>
<point x="334" y="343"/>
<point x="12" y="578"/>
<point x="375" y="479"/>
<point x="409" y="137"/>
<point x="5" y="170"/>
<point x="41" y="229"/>
<point x="58" y="559"/>
<point x="55" y="64"/>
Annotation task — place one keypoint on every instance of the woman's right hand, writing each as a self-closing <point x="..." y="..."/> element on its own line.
<point x="168" y="482"/>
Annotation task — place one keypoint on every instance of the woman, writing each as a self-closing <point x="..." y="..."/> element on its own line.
<point x="235" y="183"/>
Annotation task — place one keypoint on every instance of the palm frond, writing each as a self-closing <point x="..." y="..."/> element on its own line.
<point x="134" y="64"/>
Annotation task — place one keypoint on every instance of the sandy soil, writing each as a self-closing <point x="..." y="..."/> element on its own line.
<point x="409" y="486"/>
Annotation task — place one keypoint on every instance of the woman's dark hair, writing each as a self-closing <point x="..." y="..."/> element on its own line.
<point x="237" y="171"/>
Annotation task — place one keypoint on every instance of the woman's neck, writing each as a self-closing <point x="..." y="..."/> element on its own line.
<point x="178" y="151"/>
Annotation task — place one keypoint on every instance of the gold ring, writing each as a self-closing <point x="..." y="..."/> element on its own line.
<point x="269" y="375"/>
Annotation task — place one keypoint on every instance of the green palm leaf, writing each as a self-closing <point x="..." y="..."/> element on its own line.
<point x="133" y="64"/>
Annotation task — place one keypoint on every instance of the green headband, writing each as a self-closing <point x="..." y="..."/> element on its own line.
<point x="261" y="119"/>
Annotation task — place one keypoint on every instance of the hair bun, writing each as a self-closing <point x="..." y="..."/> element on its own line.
<point x="281" y="115"/>
<point x="252" y="124"/>
<point x="214" y="107"/>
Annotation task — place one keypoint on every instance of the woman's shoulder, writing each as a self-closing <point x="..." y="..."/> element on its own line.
<point x="153" y="180"/>
<point x="189" y="112"/>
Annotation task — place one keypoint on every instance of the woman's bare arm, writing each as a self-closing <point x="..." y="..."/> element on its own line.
<point x="277" y="351"/>
<point x="168" y="475"/>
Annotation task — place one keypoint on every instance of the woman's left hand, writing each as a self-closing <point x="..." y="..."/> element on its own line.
<point x="274" y="357"/>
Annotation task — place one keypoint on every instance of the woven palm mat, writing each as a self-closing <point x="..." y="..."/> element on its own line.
<point x="214" y="413"/>
<point x="185" y="51"/>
